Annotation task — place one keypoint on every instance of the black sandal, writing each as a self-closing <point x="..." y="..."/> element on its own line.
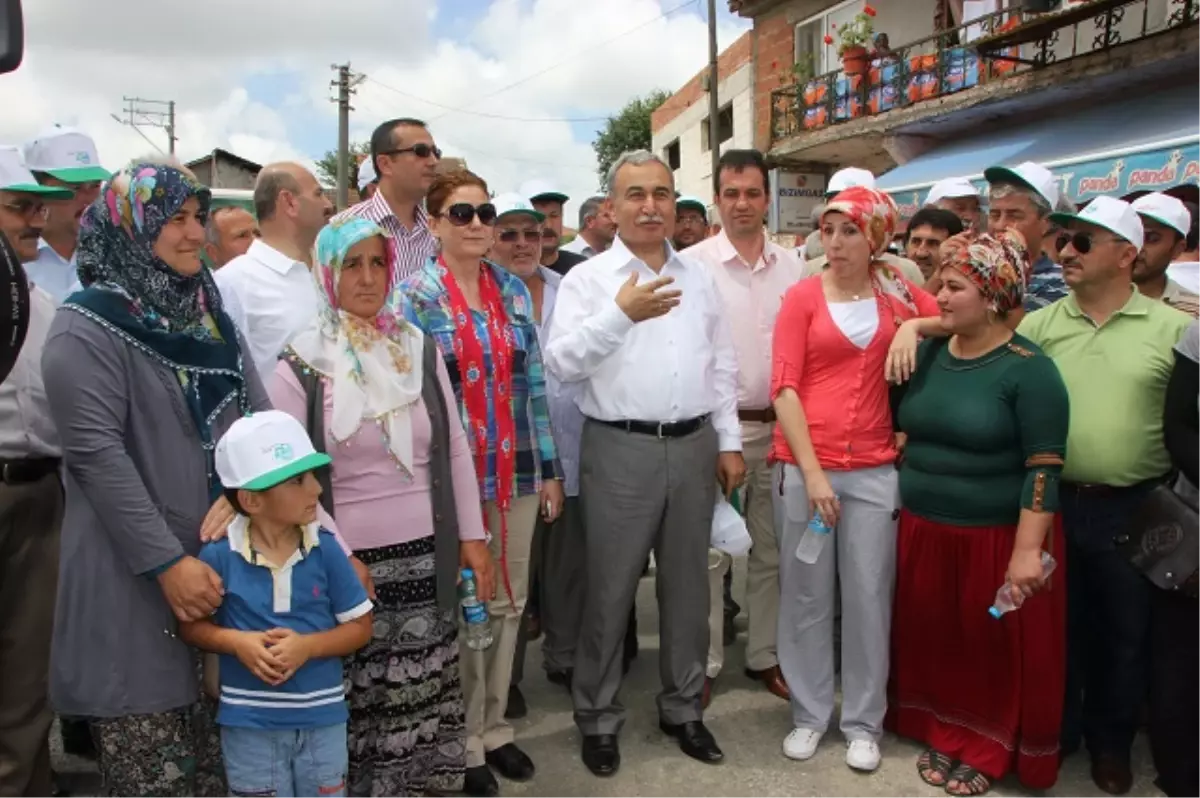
<point x="934" y="763"/>
<point x="974" y="782"/>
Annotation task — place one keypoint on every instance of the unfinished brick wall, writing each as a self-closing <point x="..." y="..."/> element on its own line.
<point x="774" y="51"/>
<point x="728" y="62"/>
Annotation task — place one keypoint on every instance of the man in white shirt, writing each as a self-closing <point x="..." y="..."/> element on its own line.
<point x="67" y="159"/>
<point x="596" y="229"/>
<point x="751" y="274"/>
<point x="269" y="292"/>
<point x="228" y="234"/>
<point x="643" y="332"/>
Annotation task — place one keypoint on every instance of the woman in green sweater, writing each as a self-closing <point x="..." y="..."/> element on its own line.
<point x="985" y="415"/>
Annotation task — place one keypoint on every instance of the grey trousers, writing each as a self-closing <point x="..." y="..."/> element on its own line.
<point x="643" y="493"/>
<point x="861" y="555"/>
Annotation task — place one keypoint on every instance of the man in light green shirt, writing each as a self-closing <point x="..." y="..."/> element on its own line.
<point x="1114" y="349"/>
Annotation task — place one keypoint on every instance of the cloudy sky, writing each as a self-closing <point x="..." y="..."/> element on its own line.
<point x="252" y="76"/>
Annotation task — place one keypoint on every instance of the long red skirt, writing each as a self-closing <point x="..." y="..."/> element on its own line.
<point x="982" y="691"/>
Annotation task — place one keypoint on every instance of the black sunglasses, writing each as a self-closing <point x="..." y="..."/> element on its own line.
<point x="421" y="150"/>
<point x="509" y="236"/>
<point x="1082" y="242"/>
<point x="460" y="214"/>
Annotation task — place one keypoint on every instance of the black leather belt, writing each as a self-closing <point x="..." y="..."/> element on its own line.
<point x="660" y="429"/>
<point x="29" y="469"/>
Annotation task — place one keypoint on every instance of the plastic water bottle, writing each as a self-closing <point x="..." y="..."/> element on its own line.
<point x="478" y="633"/>
<point x="1004" y="598"/>
<point x="813" y="540"/>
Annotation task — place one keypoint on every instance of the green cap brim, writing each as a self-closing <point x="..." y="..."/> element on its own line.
<point x="81" y="174"/>
<point x="272" y="478"/>
<point x="1064" y="219"/>
<point x="696" y="206"/>
<point x="541" y="217"/>
<point x="49" y="192"/>
<point x="1163" y="222"/>
<point x="552" y="195"/>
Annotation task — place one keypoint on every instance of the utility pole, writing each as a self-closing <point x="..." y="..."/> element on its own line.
<point x="345" y="85"/>
<point x="150" y="113"/>
<point x="714" y="111"/>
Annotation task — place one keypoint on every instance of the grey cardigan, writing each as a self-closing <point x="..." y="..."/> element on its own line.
<point x="136" y="493"/>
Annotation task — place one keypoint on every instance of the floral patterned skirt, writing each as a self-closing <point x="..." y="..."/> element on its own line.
<point x="407" y="730"/>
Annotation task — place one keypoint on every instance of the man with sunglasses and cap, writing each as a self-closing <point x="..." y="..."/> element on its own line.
<point x="31" y="507"/>
<point x="549" y="201"/>
<point x="1022" y="198"/>
<point x="1114" y="348"/>
<point x="62" y="158"/>
<point x="404" y="159"/>
<point x="1167" y="223"/>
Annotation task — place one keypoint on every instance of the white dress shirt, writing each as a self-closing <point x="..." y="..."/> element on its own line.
<point x="270" y="297"/>
<point x="52" y="273"/>
<point x="26" y="427"/>
<point x="579" y="246"/>
<point x="671" y="368"/>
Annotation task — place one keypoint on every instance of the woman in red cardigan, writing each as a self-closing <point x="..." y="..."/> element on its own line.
<point x="835" y="452"/>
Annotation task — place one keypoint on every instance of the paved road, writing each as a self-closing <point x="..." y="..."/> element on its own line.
<point x="749" y="724"/>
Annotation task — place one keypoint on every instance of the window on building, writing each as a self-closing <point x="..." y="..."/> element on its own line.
<point x="810" y="36"/>
<point x="671" y="154"/>
<point x="724" y="128"/>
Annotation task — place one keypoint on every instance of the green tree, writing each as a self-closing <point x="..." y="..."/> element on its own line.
<point x="327" y="166"/>
<point x="628" y="130"/>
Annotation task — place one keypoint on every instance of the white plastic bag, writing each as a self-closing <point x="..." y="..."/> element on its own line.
<point x="729" y="533"/>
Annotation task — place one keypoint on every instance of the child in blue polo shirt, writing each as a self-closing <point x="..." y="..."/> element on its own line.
<point x="293" y="608"/>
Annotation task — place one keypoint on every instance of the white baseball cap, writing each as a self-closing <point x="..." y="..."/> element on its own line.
<point x="1028" y="174"/>
<point x="15" y="177"/>
<point x="264" y="449"/>
<point x="366" y="173"/>
<point x="951" y="188"/>
<point x="534" y="190"/>
<point x="1165" y="209"/>
<point x="511" y="202"/>
<point x="695" y="203"/>
<point x="850" y="177"/>
<point x="67" y="154"/>
<point x="729" y="533"/>
<point x="1113" y="215"/>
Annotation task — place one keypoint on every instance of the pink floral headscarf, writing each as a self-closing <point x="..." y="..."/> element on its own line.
<point x="875" y="214"/>
<point x="997" y="265"/>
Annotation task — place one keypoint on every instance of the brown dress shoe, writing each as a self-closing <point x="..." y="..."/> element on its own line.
<point x="1112" y="774"/>
<point x="773" y="679"/>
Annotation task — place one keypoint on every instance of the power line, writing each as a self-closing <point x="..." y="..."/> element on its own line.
<point x="452" y="109"/>
<point x="152" y="115"/>
<point x="578" y="53"/>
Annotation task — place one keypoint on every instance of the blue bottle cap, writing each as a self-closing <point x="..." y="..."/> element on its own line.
<point x="995" y="612"/>
<point x="467" y="573"/>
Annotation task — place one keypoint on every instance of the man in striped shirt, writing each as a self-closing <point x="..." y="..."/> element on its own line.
<point x="405" y="160"/>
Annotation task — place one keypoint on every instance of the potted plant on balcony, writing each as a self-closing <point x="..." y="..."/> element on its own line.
<point x="853" y="38"/>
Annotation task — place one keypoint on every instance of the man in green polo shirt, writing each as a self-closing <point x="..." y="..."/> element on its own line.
<point x="1113" y="347"/>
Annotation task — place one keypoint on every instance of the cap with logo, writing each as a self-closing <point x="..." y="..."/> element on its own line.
<point x="366" y="173"/>
<point x="67" y="154"/>
<point x="1111" y="214"/>
<point x="694" y="203"/>
<point x="1165" y="210"/>
<point x="511" y="202"/>
<point x="951" y="188"/>
<point x="535" y="190"/>
<point x="850" y="177"/>
<point x="260" y="451"/>
<point x="15" y="177"/>
<point x="1029" y="175"/>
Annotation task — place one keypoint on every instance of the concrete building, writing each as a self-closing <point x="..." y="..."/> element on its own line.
<point x="1103" y="92"/>
<point x="223" y="169"/>
<point x="679" y="127"/>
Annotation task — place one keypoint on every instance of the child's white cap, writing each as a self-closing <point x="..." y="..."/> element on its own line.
<point x="264" y="449"/>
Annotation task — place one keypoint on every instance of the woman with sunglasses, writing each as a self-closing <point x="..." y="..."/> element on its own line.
<point x="483" y="320"/>
<point x="985" y="416"/>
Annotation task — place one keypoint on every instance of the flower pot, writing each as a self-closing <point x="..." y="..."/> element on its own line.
<point x="854" y="60"/>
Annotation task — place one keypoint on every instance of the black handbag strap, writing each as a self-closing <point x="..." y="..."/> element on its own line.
<point x="314" y="395"/>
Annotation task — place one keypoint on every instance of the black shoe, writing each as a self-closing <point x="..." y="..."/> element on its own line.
<point x="730" y="631"/>
<point x="517" y="707"/>
<point x="480" y="783"/>
<point x="601" y="754"/>
<point x="561" y="678"/>
<point x="694" y="740"/>
<point x="77" y="738"/>
<point x="510" y="762"/>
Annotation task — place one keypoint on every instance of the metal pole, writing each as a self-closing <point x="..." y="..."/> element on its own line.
<point x="343" y="165"/>
<point x="171" y="127"/>
<point x="714" y="136"/>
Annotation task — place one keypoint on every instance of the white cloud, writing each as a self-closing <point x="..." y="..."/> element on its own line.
<point x="84" y="56"/>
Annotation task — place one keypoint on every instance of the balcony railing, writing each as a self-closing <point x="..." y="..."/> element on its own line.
<point x="948" y="62"/>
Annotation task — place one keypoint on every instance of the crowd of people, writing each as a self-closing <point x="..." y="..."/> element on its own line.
<point x="243" y="492"/>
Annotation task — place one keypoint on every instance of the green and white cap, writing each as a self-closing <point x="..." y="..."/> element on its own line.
<point x="1166" y="210"/>
<point x="1028" y="174"/>
<point x="264" y="449"/>
<point x="67" y="154"/>
<point x="511" y="202"/>
<point x="695" y="203"/>
<point x="15" y="177"/>
<point x="1114" y="215"/>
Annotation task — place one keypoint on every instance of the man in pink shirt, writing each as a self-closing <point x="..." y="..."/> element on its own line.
<point x="752" y="274"/>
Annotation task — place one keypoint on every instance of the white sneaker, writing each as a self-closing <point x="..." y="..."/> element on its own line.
<point x="863" y="755"/>
<point x="801" y="744"/>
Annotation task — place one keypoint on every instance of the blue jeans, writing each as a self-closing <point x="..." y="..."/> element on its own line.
<point x="266" y="762"/>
